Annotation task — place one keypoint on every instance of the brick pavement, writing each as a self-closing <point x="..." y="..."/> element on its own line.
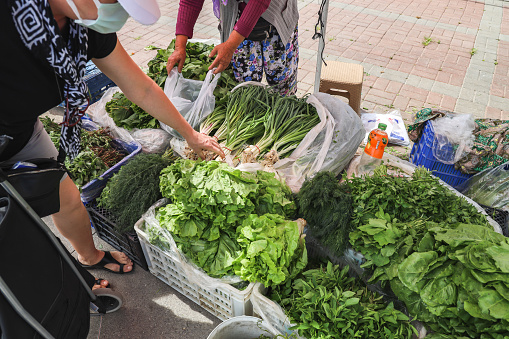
<point x="450" y="54"/>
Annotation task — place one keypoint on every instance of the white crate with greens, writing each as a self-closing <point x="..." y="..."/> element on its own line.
<point x="227" y="224"/>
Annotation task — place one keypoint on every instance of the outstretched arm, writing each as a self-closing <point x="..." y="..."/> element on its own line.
<point x="144" y="92"/>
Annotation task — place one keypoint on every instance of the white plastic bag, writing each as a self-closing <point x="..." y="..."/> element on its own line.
<point x="453" y="137"/>
<point x="194" y="99"/>
<point x="395" y="126"/>
<point x="329" y="146"/>
<point x="152" y="140"/>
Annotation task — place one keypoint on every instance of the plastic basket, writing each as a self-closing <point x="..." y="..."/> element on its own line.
<point x="93" y="189"/>
<point x="422" y="155"/>
<point x="501" y="217"/>
<point x="104" y="223"/>
<point x="97" y="83"/>
<point x="224" y="301"/>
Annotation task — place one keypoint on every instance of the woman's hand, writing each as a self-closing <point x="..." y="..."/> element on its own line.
<point x="179" y="54"/>
<point x="225" y="52"/>
<point x="177" y="57"/>
<point x="224" y="56"/>
<point x="199" y="142"/>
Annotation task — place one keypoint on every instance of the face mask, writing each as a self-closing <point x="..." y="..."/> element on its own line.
<point x="110" y="17"/>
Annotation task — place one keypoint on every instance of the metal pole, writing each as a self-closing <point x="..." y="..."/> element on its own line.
<point x="321" y="47"/>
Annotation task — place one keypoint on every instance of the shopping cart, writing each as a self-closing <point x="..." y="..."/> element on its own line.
<point x="44" y="293"/>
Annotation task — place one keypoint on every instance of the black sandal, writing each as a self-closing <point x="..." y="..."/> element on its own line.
<point x="107" y="259"/>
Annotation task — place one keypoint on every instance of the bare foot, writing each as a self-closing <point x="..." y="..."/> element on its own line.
<point x="100" y="283"/>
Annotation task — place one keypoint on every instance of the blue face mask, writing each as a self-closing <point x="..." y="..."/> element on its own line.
<point x="110" y="17"/>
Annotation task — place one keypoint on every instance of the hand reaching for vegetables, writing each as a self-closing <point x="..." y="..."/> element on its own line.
<point x="199" y="142"/>
<point x="177" y="57"/>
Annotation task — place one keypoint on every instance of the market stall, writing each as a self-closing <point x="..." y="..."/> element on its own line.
<point x="284" y="230"/>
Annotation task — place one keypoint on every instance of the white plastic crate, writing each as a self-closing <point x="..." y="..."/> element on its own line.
<point x="224" y="301"/>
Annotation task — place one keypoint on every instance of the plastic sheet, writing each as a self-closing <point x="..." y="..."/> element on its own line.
<point x="329" y="146"/>
<point x="152" y="140"/>
<point x="489" y="187"/>
<point x="193" y="272"/>
<point x="194" y="99"/>
<point x="453" y="137"/>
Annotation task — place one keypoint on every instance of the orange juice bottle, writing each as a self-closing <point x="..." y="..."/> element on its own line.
<point x="371" y="158"/>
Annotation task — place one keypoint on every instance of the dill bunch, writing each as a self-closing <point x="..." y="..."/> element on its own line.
<point x="327" y="210"/>
<point x="130" y="192"/>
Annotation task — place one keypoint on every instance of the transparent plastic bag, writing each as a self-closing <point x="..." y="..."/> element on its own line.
<point x="489" y="187"/>
<point x="194" y="99"/>
<point x="152" y="140"/>
<point x="395" y="126"/>
<point x="453" y="137"/>
<point x="193" y="272"/>
<point x="329" y="146"/>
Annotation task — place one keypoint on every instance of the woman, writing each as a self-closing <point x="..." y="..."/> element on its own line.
<point x="264" y="39"/>
<point x="49" y="43"/>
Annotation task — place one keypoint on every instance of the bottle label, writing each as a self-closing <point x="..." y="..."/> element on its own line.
<point x="376" y="144"/>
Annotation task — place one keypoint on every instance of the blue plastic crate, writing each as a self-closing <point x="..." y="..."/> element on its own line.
<point x="93" y="189"/>
<point x="422" y="155"/>
<point x="97" y="83"/>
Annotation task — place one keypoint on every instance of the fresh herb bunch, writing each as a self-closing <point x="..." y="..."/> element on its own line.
<point x="327" y="303"/>
<point x="128" y="115"/>
<point x="453" y="277"/>
<point x="53" y="130"/>
<point x="86" y="167"/>
<point x="327" y="210"/>
<point x="420" y="196"/>
<point x="131" y="191"/>
<point x="97" y="153"/>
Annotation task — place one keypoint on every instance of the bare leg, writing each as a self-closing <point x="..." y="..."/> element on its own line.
<point x="73" y="223"/>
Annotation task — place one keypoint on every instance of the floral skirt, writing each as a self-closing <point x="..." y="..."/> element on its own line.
<point x="279" y="61"/>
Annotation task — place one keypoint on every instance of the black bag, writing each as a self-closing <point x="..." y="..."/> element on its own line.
<point x="40" y="279"/>
<point x="38" y="186"/>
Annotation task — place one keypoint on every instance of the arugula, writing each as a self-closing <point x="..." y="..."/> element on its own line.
<point x="418" y="197"/>
<point x="327" y="303"/>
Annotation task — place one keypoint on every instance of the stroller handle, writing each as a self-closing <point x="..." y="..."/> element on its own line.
<point x="4" y="141"/>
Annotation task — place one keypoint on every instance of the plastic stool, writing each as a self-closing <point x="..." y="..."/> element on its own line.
<point x="345" y="79"/>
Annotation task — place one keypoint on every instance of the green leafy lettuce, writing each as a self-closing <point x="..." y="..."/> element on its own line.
<point x="213" y="205"/>
<point x="453" y="277"/>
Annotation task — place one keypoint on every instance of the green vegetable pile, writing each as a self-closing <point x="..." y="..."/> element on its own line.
<point x="195" y="67"/>
<point x="327" y="210"/>
<point x="131" y="191"/>
<point x="207" y="218"/>
<point x="96" y="156"/>
<point x="326" y="303"/>
<point x="421" y="196"/>
<point x="128" y="115"/>
<point x="452" y="276"/>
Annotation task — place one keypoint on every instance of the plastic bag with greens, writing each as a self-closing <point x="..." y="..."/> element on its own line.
<point x="489" y="187"/>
